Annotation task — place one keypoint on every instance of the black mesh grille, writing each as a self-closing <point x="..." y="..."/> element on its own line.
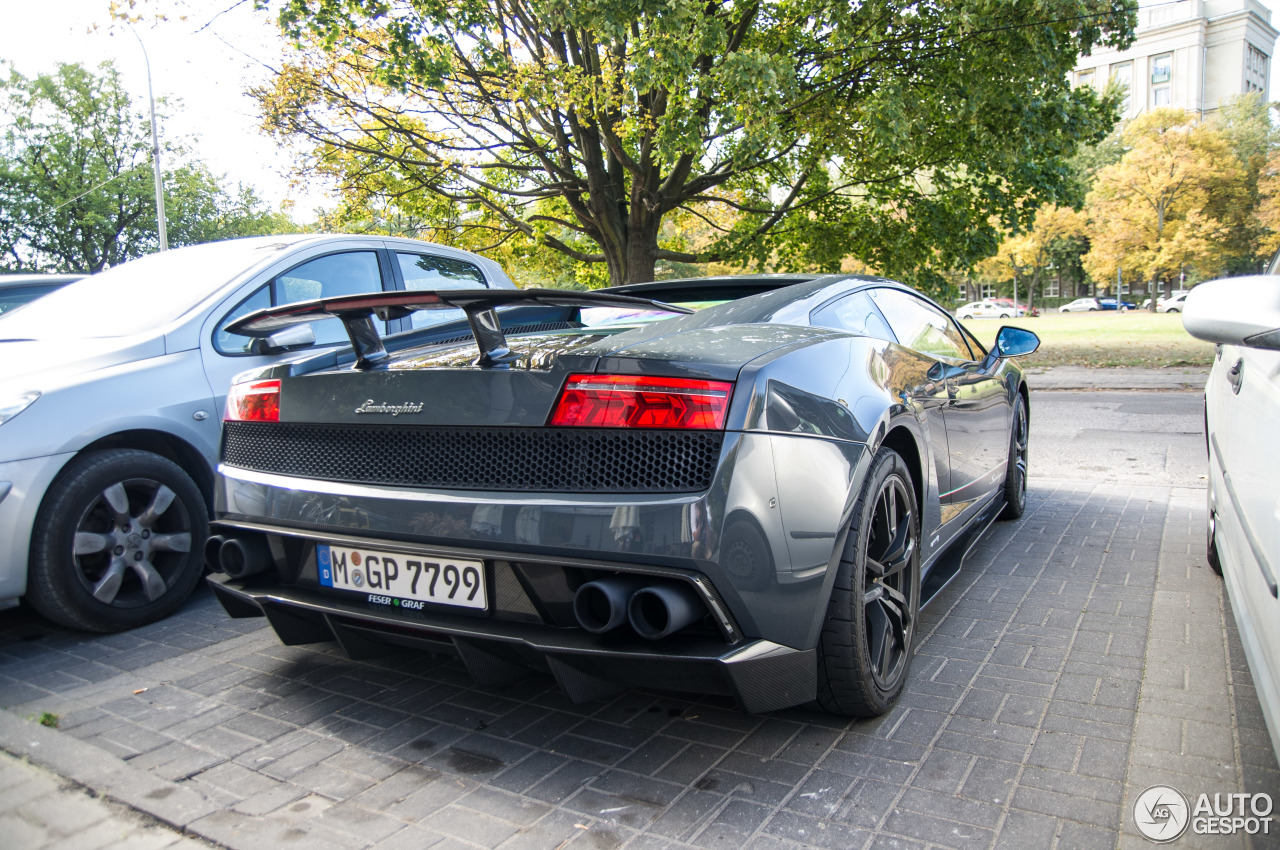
<point x="561" y="460"/>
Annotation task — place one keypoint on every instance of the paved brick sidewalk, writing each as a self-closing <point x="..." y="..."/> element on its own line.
<point x="1084" y="653"/>
<point x="40" y="811"/>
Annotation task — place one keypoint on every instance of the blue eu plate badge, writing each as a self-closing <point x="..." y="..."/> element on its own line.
<point x="325" y="562"/>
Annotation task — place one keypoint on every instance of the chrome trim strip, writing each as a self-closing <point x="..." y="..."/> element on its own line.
<point x="462" y="497"/>
<point x="1267" y="575"/>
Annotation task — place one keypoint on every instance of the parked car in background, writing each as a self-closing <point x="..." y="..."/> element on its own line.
<point x="1242" y="406"/>
<point x="1112" y="304"/>
<point x="1173" y="304"/>
<point x="986" y="309"/>
<point x="752" y="500"/>
<point x="1090" y="305"/>
<point x="19" y="289"/>
<point x="1081" y="305"/>
<point x="1023" y="309"/>
<point x="111" y="397"/>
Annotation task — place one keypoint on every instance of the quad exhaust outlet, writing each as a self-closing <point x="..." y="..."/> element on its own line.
<point x="653" y="610"/>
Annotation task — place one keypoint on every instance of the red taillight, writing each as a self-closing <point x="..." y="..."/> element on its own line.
<point x="626" y="401"/>
<point x="253" y="401"/>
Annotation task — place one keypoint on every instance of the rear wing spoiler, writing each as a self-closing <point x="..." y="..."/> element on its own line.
<point x="357" y="312"/>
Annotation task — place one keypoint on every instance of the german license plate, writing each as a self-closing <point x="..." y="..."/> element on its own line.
<point x="400" y="577"/>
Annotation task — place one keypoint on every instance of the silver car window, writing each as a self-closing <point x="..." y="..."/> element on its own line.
<point x="920" y="326"/>
<point x="423" y="271"/>
<point x="856" y="314"/>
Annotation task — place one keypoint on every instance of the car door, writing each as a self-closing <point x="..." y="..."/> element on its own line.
<point x="859" y="314"/>
<point x="976" y="409"/>
<point x="1243" y="399"/>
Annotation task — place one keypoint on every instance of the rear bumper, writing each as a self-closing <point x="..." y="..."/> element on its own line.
<point x="761" y="675"/>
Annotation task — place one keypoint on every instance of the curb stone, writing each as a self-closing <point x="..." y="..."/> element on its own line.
<point x="108" y="776"/>
<point x="1177" y="378"/>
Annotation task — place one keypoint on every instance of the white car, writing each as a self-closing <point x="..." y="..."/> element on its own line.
<point x="1175" y="303"/>
<point x="1242" y="406"/>
<point x="111" y="398"/>
<point x="985" y="310"/>
<point x="1081" y="305"/>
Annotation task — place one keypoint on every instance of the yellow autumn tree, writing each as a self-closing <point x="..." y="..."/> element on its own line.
<point x="1024" y="259"/>
<point x="1268" y="212"/>
<point x="1153" y="214"/>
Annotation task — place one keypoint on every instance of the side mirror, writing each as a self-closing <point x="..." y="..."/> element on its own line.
<point x="1015" y="342"/>
<point x="290" y="338"/>
<point x="1235" y="311"/>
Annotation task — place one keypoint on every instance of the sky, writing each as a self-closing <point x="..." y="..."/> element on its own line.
<point x="206" y="61"/>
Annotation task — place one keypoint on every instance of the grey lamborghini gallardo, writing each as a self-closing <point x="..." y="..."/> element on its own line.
<point x="740" y="486"/>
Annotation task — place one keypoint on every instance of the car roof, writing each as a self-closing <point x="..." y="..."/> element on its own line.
<point x="7" y="280"/>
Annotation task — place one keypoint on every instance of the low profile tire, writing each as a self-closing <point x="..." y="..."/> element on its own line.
<point x="1015" y="470"/>
<point x="1004" y="315"/>
<point x="865" y="648"/>
<point x="118" y="542"/>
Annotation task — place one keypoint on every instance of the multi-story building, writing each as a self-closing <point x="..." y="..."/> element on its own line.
<point x="1192" y="54"/>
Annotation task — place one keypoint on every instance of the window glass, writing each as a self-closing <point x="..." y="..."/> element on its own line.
<point x="351" y="273"/>
<point x="1161" y="68"/>
<point x="423" y="271"/>
<point x="1122" y="74"/>
<point x="921" y="326"/>
<point x="856" y="314"/>
<point x="229" y="343"/>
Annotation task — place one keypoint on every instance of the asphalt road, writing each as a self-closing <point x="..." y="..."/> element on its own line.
<point x="1131" y="437"/>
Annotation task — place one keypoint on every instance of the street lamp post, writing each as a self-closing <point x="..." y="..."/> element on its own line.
<point x="155" y="150"/>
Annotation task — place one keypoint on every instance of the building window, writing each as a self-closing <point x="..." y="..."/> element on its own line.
<point x="1122" y="75"/>
<point x="1161" y="68"/>
<point x="1084" y="78"/>
<point x="1051" y="288"/>
<point x="988" y="291"/>
<point x="1255" y="70"/>
<point x="1160" y="96"/>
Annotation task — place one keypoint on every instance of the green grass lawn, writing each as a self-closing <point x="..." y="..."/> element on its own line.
<point x="1134" y="338"/>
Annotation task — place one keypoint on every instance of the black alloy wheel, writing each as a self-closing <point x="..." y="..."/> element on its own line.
<point x="868" y="638"/>
<point x="1015" y="473"/>
<point x="118" y="542"/>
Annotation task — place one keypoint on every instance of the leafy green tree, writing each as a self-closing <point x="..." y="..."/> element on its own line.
<point x="76" y="182"/>
<point x="903" y="134"/>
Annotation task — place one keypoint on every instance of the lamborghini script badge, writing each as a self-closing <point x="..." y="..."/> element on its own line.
<point x="372" y="406"/>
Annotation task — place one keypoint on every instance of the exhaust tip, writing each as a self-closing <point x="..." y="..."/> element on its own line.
<point x="601" y="606"/>
<point x="663" y="609"/>
<point x="212" y="548"/>
<point x="239" y="557"/>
